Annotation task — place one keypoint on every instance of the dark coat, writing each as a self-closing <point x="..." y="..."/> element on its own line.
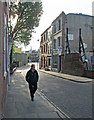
<point x="32" y="77"/>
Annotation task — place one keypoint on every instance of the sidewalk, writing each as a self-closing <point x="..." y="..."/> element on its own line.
<point x="68" y="77"/>
<point x="19" y="105"/>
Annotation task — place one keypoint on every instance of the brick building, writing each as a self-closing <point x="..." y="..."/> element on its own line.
<point x="3" y="54"/>
<point x="72" y="37"/>
<point x="44" y="44"/>
<point x="65" y="36"/>
<point x="80" y="25"/>
<point x="49" y="48"/>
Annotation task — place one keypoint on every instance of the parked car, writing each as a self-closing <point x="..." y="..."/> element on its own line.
<point x="47" y="69"/>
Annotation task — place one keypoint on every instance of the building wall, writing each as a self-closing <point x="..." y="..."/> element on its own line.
<point x="56" y="33"/>
<point x="93" y="40"/>
<point x="3" y="54"/>
<point x="93" y="8"/>
<point x="0" y="60"/>
<point x="20" y="58"/>
<point x="73" y="65"/>
<point x="74" y="23"/>
<point x="57" y="36"/>
<point x="49" y="48"/>
<point x="44" y="44"/>
<point x="93" y="30"/>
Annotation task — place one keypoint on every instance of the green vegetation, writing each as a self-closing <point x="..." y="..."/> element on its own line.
<point x="28" y="16"/>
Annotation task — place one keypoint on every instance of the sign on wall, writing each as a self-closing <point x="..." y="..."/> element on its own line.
<point x="59" y="49"/>
<point x="85" y="45"/>
<point x="70" y="37"/>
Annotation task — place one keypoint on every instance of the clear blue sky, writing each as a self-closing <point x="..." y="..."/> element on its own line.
<point x="52" y="8"/>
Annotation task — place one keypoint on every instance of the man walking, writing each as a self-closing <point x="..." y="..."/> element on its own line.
<point x="32" y="79"/>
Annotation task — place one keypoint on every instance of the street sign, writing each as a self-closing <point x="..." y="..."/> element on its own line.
<point x="59" y="49"/>
<point x="45" y="55"/>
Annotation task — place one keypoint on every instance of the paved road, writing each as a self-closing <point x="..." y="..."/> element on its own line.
<point x="75" y="99"/>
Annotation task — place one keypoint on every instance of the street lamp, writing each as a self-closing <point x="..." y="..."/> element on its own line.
<point x="39" y="56"/>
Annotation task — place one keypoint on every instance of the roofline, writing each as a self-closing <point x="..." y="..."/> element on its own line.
<point x="46" y="30"/>
<point x="79" y="14"/>
<point x="58" y="16"/>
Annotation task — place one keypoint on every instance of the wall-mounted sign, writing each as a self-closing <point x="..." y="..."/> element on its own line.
<point x="45" y="55"/>
<point x="59" y="49"/>
<point x="85" y="45"/>
<point x="70" y="37"/>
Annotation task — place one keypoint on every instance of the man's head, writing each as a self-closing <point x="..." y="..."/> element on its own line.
<point x="33" y="67"/>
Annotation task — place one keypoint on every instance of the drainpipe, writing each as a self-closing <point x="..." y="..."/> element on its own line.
<point x="58" y="63"/>
<point x="63" y="39"/>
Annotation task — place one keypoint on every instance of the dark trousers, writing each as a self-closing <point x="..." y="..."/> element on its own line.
<point x="32" y="88"/>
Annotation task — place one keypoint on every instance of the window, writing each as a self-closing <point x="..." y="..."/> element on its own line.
<point x="49" y="63"/>
<point x="42" y="39"/>
<point x="50" y="49"/>
<point x="54" y="29"/>
<point x="44" y="62"/>
<point x="55" y="61"/>
<point x="46" y="35"/>
<point x="54" y="43"/>
<point x="58" y="41"/>
<point x="59" y="25"/>
<point x="44" y="48"/>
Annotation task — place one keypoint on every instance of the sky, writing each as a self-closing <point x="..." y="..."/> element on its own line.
<point x="52" y="8"/>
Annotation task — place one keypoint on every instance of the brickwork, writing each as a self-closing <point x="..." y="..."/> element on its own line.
<point x="3" y="81"/>
<point x="44" y="40"/>
<point x="89" y="74"/>
<point x="72" y="64"/>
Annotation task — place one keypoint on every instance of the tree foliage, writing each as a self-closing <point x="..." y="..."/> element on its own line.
<point x="28" y="15"/>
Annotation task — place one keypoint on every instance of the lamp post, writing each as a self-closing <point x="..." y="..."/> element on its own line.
<point x="39" y="56"/>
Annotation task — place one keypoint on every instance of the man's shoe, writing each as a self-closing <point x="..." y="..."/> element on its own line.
<point x="32" y="99"/>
